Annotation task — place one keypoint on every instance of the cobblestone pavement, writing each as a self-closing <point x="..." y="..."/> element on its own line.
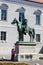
<point x="29" y="62"/>
<point x="40" y="62"/>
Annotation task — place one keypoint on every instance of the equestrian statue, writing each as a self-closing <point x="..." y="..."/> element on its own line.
<point x="23" y="28"/>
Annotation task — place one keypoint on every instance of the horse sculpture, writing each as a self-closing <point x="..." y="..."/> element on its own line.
<point x="20" y="29"/>
<point x="31" y="33"/>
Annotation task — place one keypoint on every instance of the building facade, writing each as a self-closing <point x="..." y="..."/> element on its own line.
<point x="8" y="32"/>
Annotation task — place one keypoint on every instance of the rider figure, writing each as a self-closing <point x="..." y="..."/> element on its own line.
<point x="24" y="24"/>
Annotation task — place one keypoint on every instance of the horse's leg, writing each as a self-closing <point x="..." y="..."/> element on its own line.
<point x="20" y="36"/>
<point x="30" y="38"/>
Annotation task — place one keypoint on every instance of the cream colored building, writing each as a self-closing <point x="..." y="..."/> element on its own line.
<point x="8" y="32"/>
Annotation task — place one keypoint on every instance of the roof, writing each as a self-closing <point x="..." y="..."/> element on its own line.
<point x="25" y="2"/>
<point x="35" y="1"/>
<point x="40" y="1"/>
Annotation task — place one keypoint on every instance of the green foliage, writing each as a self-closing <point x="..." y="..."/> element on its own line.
<point x="41" y="58"/>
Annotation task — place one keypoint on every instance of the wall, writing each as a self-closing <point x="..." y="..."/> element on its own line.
<point x="12" y="34"/>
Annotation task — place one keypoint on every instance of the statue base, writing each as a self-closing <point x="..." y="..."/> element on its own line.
<point x="26" y="49"/>
<point x="27" y="43"/>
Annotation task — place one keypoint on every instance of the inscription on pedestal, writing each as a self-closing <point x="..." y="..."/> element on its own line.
<point x="25" y="47"/>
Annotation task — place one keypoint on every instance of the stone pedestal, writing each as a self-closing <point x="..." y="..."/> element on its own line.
<point x="26" y="49"/>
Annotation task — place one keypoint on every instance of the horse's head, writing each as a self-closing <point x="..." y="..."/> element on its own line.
<point x="14" y="21"/>
<point x="18" y="24"/>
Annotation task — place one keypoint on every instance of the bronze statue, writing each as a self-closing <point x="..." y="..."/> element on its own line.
<point x="23" y="29"/>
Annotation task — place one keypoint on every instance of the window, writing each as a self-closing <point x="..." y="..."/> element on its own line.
<point x="3" y="35"/>
<point x="3" y="14"/>
<point x="37" y="37"/>
<point x="38" y="19"/>
<point x="38" y="14"/>
<point x="4" y="8"/>
<point x="21" y="13"/>
<point x="21" y="17"/>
